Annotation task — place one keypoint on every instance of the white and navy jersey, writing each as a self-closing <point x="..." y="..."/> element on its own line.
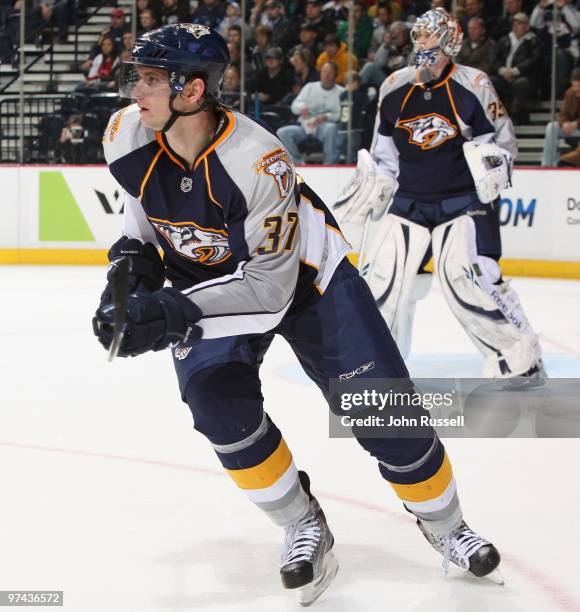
<point x="240" y="237"/>
<point x="421" y="129"/>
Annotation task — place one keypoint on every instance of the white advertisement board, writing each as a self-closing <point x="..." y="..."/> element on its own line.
<point x="62" y="210"/>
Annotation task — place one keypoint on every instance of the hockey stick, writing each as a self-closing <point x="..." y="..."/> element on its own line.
<point x="120" y="293"/>
<point x="363" y="241"/>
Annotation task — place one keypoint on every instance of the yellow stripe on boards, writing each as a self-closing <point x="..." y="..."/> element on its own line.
<point x="539" y="268"/>
<point x="264" y="474"/>
<point x="510" y="267"/>
<point x="428" y="489"/>
<point x="53" y="257"/>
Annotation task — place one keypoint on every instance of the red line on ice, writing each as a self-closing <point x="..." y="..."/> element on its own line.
<point x="551" y="589"/>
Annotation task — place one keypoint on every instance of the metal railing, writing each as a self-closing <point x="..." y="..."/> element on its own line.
<point x="48" y="50"/>
<point x="39" y="125"/>
<point x="18" y="124"/>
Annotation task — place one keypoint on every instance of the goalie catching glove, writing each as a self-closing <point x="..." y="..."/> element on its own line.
<point x="368" y="193"/>
<point x="490" y="167"/>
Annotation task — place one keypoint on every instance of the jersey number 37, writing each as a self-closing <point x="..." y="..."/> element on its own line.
<point x="274" y="237"/>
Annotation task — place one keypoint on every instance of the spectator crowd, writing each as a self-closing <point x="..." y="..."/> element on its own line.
<point x="300" y="73"/>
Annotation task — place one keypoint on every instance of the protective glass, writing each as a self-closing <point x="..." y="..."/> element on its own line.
<point x="139" y="81"/>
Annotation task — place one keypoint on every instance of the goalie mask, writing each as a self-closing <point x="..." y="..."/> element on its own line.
<point x="435" y="33"/>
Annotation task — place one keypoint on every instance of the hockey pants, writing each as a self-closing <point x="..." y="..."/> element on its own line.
<point x="219" y="380"/>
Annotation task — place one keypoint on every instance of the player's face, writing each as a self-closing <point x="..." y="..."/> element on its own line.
<point x="424" y="41"/>
<point x="152" y="92"/>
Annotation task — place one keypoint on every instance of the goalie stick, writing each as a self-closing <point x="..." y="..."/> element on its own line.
<point x="120" y="294"/>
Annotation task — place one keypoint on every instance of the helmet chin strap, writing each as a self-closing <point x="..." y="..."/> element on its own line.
<point x="175" y="114"/>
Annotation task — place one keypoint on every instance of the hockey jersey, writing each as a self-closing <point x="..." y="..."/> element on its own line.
<point x="242" y="236"/>
<point x="421" y="129"/>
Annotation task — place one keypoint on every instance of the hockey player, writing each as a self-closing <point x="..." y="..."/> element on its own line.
<point x="250" y="251"/>
<point x="444" y="145"/>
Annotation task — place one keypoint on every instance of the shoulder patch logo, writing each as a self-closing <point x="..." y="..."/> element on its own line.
<point x="114" y="125"/>
<point x="428" y="131"/>
<point x="200" y="244"/>
<point x="276" y="165"/>
<point x="481" y="81"/>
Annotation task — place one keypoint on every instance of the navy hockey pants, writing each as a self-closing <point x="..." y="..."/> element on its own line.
<point x="219" y="379"/>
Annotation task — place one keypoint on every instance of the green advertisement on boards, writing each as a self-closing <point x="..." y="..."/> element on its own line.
<point x="59" y="216"/>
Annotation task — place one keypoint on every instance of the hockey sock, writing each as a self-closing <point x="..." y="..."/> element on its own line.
<point x="248" y="444"/>
<point x="427" y="488"/>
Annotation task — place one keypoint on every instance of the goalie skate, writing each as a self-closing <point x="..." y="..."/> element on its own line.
<point x="464" y="548"/>
<point x="307" y="562"/>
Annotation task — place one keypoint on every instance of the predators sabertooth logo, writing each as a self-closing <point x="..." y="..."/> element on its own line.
<point x="200" y="244"/>
<point x="428" y="131"/>
<point x="276" y="165"/>
<point x="197" y="29"/>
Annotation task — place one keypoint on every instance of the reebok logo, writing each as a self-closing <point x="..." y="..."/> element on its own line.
<point x="360" y="370"/>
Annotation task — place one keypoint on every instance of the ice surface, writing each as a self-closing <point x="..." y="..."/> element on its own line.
<point x="109" y="494"/>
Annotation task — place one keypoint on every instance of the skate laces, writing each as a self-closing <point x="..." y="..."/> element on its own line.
<point x="302" y="540"/>
<point x="458" y="546"/>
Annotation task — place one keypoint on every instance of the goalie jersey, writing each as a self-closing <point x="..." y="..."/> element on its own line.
<point x="242" y="236"/>
<point x="422" y="128"/>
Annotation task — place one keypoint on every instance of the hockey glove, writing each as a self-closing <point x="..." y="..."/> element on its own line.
<point x="154" y="322"/>
<point x="369" y="192"/>
<point x="146" y="269"/>
<point x="490" y="167"/>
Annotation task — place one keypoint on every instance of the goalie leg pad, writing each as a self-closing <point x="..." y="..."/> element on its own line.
<point x="487" y="307"/>
<point x="392" y="254"/>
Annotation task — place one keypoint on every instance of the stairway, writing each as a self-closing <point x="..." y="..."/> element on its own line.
<point x="66" y="74"/>
<point x="531" y="136"/>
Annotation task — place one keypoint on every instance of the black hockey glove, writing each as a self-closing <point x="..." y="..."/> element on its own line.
<point x="154" y="321"/>
<point x="146" y="269"/>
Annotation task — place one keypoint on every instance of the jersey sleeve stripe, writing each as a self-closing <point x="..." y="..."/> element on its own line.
<point x="222" y="280"/>
<point x="144" y="182"/>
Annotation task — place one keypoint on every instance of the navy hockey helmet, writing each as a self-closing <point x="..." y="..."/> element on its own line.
<point x="184" y="51"/>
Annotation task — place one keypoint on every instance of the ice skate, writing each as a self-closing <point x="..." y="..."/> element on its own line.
<point x="535" y="377"/>
<point x="466" y="549"/>
<point x="307" y="562"/>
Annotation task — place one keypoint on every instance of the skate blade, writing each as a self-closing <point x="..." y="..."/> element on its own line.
<point x="495" y="577"/>
<point x="309" y="593"/>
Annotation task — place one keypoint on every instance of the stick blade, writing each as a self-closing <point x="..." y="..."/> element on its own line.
<point x="120" y="294"/>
